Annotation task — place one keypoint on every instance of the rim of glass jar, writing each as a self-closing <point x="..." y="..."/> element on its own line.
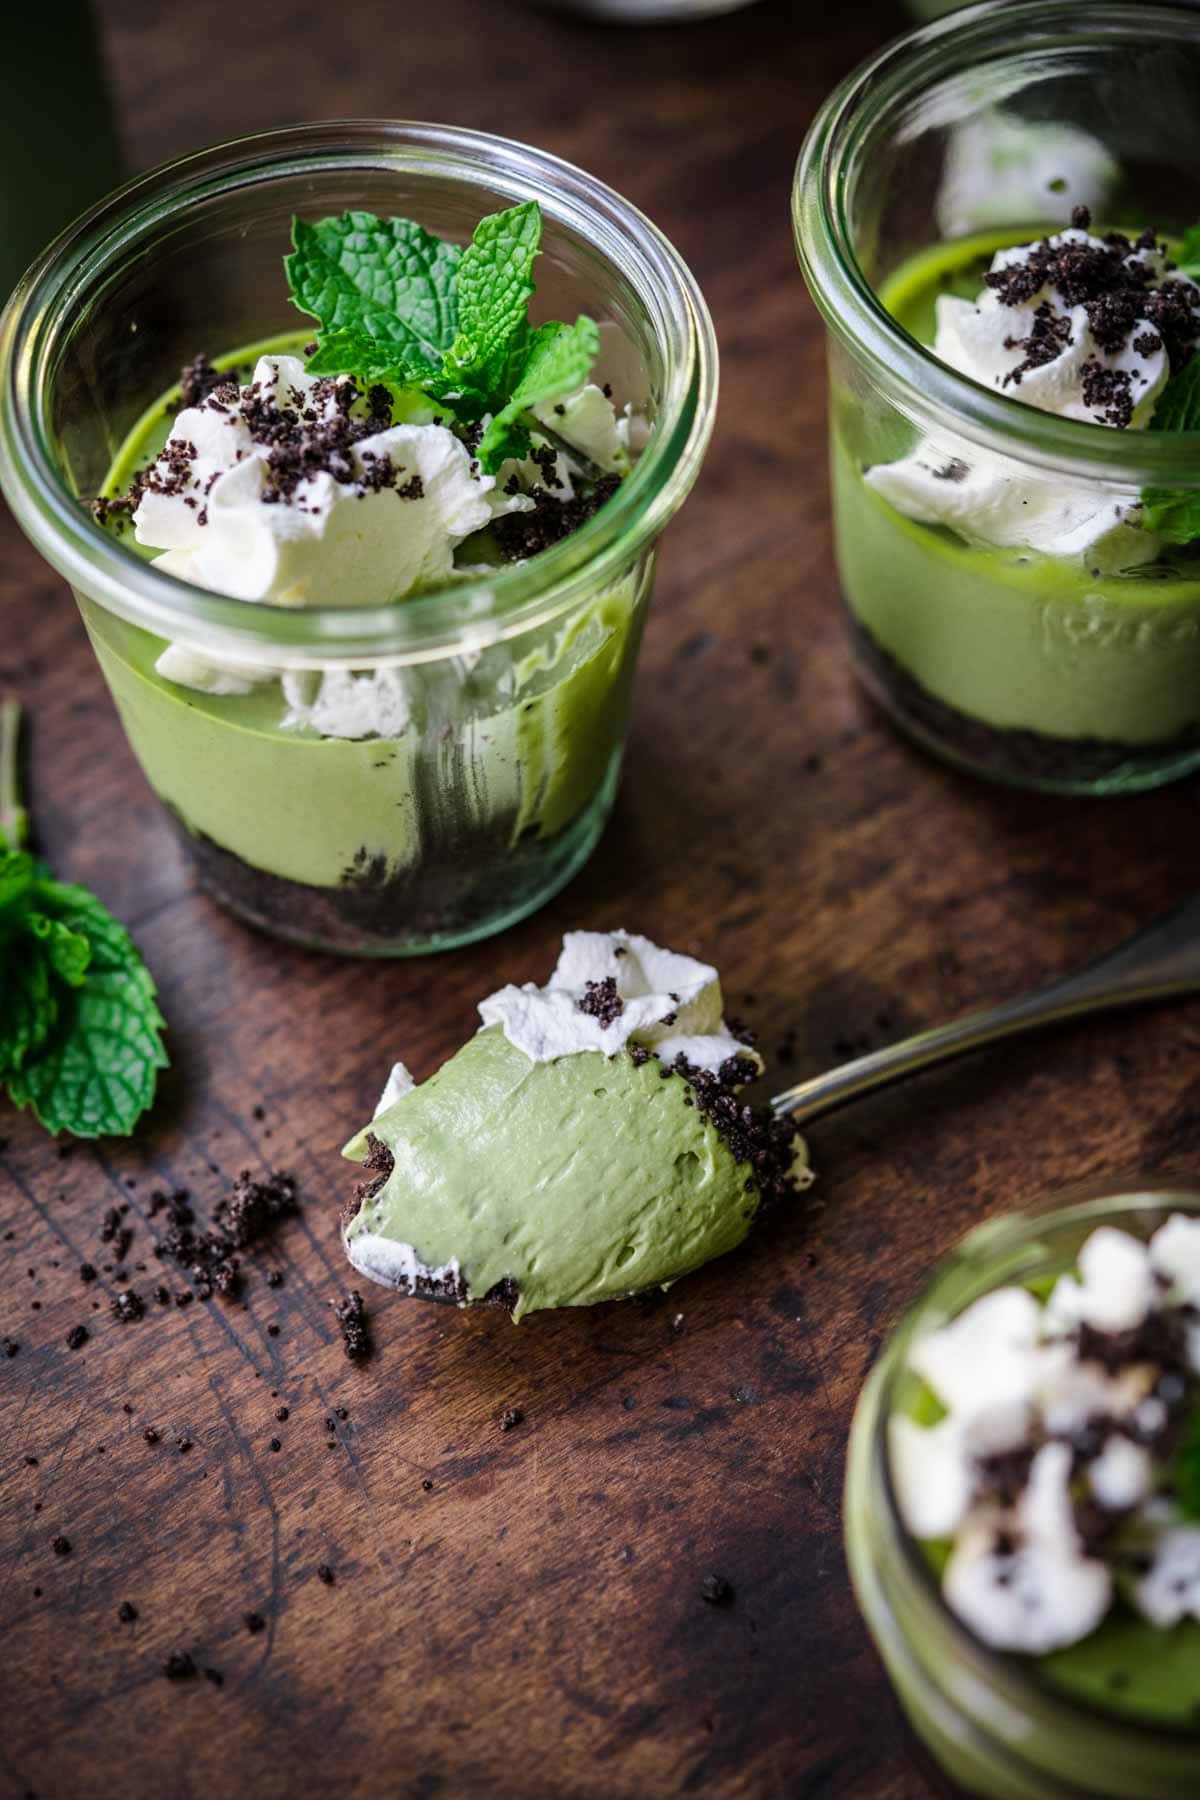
<point x="999" y="1241"/>
<point x="465" y="614"/>
<point x="823" y="185"/>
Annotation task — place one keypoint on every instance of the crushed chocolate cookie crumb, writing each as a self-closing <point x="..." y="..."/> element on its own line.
<point x="127" y="1613"/>
<point x="351" y="1315"/>
<point x="128" y="1306"/>
<point x="511" y="1417"/>
<point x="1048" y="338"/>
<point x="197" y="380"/>
<point x="179" y="1666"/>
<point x="1115" y="289"/>
<point x="150" y="1435"/>
<point x="61" y="1546"/>
<point x="215" y="1676"/>
<point x="254" y="1623"/>
<point x="210" y="1257"/>
<point x="716" y="1590"/>
<point x="601" y="1001"/>
<point x="1109" y="391"/>
<point x="9" y="1346"/>
<point x="523" y="534"/>
<point x="379" y="1163"/>
<point x="86" y="1272"/>
<point x="325" y="1574"/>
<point x="753" y="1134"/>
<point x="77" y="1337"/>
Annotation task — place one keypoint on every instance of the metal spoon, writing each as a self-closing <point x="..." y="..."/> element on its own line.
<point x="1158" y="962"/>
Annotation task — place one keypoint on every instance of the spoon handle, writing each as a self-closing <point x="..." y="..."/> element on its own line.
<point x="1160" y="961"/>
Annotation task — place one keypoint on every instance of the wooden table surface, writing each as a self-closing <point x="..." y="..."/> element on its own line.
<point x="520" y="1613"/>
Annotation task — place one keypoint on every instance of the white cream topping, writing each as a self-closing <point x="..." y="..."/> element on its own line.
<point x="1011" y="1378"/>
<point x="396" y="1265"/>
<point x="1170" y="1591"/>
<point x="330" y="542"/>
<point x="1115" y="1288"/>
<point x="398" y="1083"/>
<point x="995" y="499"/>
<point x="1042" y="1593"/>
<point x="670" y="1004"/>
<point x="588" y="422"/>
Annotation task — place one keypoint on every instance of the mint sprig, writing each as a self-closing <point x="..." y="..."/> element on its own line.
<point x="398" y="306"/>
<point x="80" y="1029"/>
<point x="557" y="361"/>
<point x="1174" y="513"/>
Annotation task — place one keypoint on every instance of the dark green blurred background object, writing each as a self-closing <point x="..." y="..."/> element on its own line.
<point x="58" y="140"/>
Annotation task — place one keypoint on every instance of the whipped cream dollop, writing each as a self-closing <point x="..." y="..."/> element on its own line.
<point x="611" y="990"/>
<point x="1048" y="1467"/>
<point x="1084" y="327"/>
<point x="292" y="491"/>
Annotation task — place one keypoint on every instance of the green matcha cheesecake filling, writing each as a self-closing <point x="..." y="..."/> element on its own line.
<point x="589" y="1142"/>
<point x="1048" y="1460"/>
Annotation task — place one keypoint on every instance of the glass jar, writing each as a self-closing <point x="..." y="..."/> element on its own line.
<point x="515" y="683"/>
<point x="993" y="1722"/>
<point x="1070" y="669"/>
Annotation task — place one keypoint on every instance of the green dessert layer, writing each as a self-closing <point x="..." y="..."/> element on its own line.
<point x="1014" y="638"/>
<point x="515" y="744"/>
<point x="583" y="1179"/>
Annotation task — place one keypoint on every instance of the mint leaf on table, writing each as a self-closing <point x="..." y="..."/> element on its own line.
<point x="80" y="1029"/>
<point x="1174" y="513"/>
<point x="557" y="362"/>
<point x="387" y="281"/>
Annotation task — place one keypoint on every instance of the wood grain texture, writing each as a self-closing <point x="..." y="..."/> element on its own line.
<point x="530" y="1623"/>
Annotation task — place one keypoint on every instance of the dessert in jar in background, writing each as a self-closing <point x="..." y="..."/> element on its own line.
<point x="997" y="217"/>
<point x="1023" y="1502"/>
<point x="368" y="588"/>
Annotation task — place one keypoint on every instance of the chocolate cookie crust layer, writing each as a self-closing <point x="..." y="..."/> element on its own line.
<point x="1008" y="755"/>
<point x="445" y="895"/>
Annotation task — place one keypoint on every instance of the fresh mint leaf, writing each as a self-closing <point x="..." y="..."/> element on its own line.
<point x="1174" y="513"/>
<point x="80" y="1029"/>
<point x="67" y="952"/>
<point x="558" y="360"/>
<point x="28" y="1006"/>
<point x="18" y="872"/>
<point x="493" y="292"/>
<point x="386" y="280"/>
<point x="96" y="1075"/>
